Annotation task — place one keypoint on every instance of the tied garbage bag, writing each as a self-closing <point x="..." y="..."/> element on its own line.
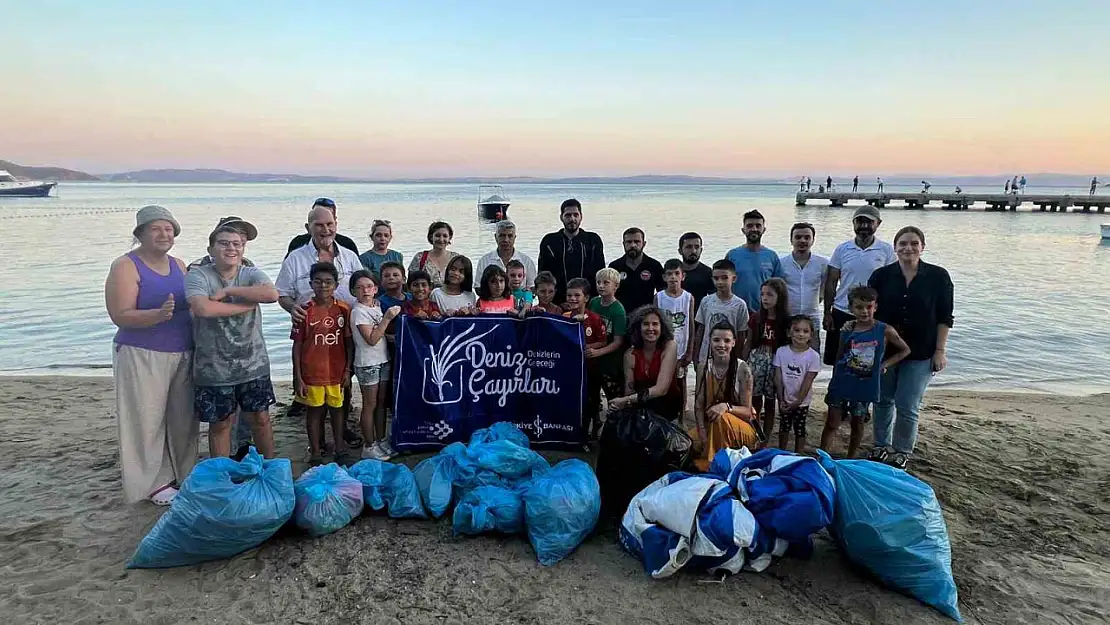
<point x="560" y="509"/>
<point x="223" y="508"/>
<point x="502" y="430"/>
<point x="328" y="498"/>
<point x="507" y="459"/>
<point x="489" y="509"/>
<point x="890" y="523"/>
<point x="435" y="477"/>
<point x="390" y="487"/>
<point x="637" y="447"/>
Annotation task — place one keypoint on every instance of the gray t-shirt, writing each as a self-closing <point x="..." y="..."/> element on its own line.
<point x="713" y="311"/>
<point x="228" y="350"/>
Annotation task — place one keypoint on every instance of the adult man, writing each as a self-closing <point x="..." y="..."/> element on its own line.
<point x="804" y="273"/>
<point x="699" y="277"/>
<point x="300" y="240"/>
<point x="880" y="181"/>
<point x="231" y="368"/>
<point x="506" y="251"/>
<point x="571" y="252"/>
<point x="828" y="184"/>
<point x="641" y="275"/>
<point x="855" y="184"/>
<point x="850" y="266"/>
<point x="1094" y="185"/>
<point x="754" y="262"/>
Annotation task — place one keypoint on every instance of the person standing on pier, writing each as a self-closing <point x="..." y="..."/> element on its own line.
<point x="1021" y="183"/>
<point x="880" y="181"/>
<point x="1006" y="189"/>
<point x="809" y="183"/>
<point x="850" y="266"/>
<point x="828" y="183"/>
<point x="754" y="262"/>
<point x="1014" y="186"/>
<point x="855" y="184"/>
<point x="1094" y="184"/>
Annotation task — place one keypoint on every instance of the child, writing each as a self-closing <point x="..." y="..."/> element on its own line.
<point x="545" y="293"/>
<point x="721" y="307"/>
<point x="679" y="306"/>
<point x="577" y="295"/>
<point x="796" y="366"/>
<point x="767" y="331"/>
<point x="722" y="400"/>
<point x="371" y="362"/>
<point x="494" y="294"/>
<point x="322" y="356"/>
<point x="392" y="283"/>
<point x="867" y="349"/>
<point x="611" y="357"/>
<point x="456" y="296"/>
<point x="522" y="297"/>
<point x="419" y="305"/>
<point x="381" y="235"/>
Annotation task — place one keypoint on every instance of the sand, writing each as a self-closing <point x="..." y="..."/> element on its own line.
<point x="1023" y="480"/>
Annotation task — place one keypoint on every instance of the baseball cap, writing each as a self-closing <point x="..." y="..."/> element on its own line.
<point x="870" y="212"/>
<point x="239" y="224"/>
<point x="148" y="214"/>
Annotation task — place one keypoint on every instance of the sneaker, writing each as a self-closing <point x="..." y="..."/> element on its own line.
<point x="352" y="439"/>
<point x="372" y="452"/>
<point x="900" y="461"/>
<point x="387" y="451"/>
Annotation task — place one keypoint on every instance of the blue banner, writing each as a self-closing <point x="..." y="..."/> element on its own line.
<point x="455" y="376"/>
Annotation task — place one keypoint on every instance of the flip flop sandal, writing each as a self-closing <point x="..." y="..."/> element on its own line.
<point x="878" y="454"/>
<point x="163" y="496"/>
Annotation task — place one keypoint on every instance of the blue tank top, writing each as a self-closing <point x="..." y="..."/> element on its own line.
<point x="857" y="372"/>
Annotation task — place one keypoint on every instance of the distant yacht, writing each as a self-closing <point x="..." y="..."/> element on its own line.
<point x="10" y="187"/>
<point x="492" y="204"/>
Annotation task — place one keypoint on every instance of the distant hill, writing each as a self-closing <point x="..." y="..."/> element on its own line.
<point x="44" y="173"/>
<point x="187" y="176"/>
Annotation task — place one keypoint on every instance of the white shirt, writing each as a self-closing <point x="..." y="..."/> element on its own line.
<point x="678" y="309"/>
<point x="450" y="304"/>
<point x="856" y="264"/>
<point x="367" y="355"/>
<point x="803" y="284"/>
<point x="293" y="279"/>
<point x="494" y="259"/>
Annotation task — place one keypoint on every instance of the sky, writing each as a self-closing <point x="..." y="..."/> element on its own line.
<point x="529" y="88"/>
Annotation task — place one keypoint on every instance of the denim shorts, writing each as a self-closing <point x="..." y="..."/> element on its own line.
<point x="214" y="404"/>
<point x="854" y="409"/>
<point x="372" y="375"/>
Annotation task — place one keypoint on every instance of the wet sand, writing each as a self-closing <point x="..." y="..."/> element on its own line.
<point x="1024" y="481"/>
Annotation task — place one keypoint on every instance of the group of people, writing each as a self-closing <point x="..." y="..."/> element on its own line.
<point x="805" y="183"/>
<point x="190" y="347"/>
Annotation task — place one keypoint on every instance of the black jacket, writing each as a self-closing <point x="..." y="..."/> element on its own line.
<point x="302" y="239"/>
<point x="568" y="258"/>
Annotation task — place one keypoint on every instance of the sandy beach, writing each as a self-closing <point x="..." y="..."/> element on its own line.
<point x="1023" y="480"/>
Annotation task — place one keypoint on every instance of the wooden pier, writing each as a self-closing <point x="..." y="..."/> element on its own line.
<point x="964" y="201"/>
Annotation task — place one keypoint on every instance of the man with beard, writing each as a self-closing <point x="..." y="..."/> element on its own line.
<point x="804" y="273"/>
<point x="699" y="277"/>
<point x="571" y="252"/>
<point x="754" y="262"/>
<point x="641" y="275"/>
<point x="850" y="266"/>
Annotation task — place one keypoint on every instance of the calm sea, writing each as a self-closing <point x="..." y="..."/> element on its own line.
<point x="1032" y="289"/>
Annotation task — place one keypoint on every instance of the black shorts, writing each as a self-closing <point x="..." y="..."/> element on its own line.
<point x="832" y="337"/>
<point x="795" y="420"/>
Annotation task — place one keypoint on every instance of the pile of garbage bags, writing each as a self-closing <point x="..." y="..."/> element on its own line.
<point x="636" y="448"/>
<point x="223" y="508"/>
<point x="890" y="523"/>
<point x="748" y="510"/>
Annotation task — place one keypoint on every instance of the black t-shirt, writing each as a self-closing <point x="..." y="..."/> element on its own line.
<point x="699" y="283"/>
<point x="302" y="240"/>
<point x="638" y="286"/>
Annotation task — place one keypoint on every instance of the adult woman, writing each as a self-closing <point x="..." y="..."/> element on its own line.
<point x="915" y="298"/>
<point x="435" y="260"/>
<point x="723" y="400"/>
<point x="649" y="365"/>
<point x="152" y="361"/>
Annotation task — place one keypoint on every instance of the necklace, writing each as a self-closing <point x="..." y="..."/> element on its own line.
<point x="721" y="375"/>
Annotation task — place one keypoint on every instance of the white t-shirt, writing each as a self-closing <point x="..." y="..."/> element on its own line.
<point x="713" y="311"/>
<point x="803" y="284"/>
<point x="449" y="304"/>
<point x="678" y="309"/>
<point x="493" y="258"/>
<point x="856" y="264"/>
<point x="293" y="279"/>
<point x="367" y="355"/>
<point x="794" y="366"/>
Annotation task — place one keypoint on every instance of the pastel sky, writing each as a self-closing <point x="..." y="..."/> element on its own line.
<point x="431" y="88"/>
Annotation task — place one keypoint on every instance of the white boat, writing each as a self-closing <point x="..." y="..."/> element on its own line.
<point x="1106" y="232"/>
<point x="10" y="187"/>
<point x="492" y="204"/>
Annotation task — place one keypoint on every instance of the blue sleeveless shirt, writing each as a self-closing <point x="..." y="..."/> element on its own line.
<point x="858" y="371"/>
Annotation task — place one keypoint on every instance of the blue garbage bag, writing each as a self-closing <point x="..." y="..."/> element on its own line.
<point x="328" y="498"/>
<point x="390" y="487"/>
<point x="223" y="508"/>
<point x="435" y="477"/>
<point x="890" y="523"/>
<point x="489" y="509"/>
<point x="560" y="509"/>
<point x="502" y="430"/>
<point x="507" y="459"/>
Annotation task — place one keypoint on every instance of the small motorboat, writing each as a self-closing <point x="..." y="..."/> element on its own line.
<point x="1106" y="232"/>
<point x="10" y="187"/>
<point x="492" y="204"/>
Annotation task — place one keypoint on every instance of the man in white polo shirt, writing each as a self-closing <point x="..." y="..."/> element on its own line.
<point x="850" y="266"/>
<point x="804" y="273"/>
<point x="506" y="251"/>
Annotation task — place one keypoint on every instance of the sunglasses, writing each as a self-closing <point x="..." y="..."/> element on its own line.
<point x="325" y="202"/>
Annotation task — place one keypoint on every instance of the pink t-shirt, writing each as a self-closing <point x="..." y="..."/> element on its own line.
<point x="499" y="306"/>
<point x="794" y="366"/>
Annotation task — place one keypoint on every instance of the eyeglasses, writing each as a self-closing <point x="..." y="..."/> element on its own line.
<point x="323" y="282"/>
<point x="235" y="245"/>
<point x="325" y="202"/>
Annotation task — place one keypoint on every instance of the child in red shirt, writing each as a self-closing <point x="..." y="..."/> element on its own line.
<point x="323" y="353"/>
<point x="578" y="291"/>
<point x="420" y="306"/>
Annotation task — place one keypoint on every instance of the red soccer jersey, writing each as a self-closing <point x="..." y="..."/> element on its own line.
<point x="323" y="336"/>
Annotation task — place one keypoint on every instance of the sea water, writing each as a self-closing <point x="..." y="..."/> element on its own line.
<point x="1032" y="289"/>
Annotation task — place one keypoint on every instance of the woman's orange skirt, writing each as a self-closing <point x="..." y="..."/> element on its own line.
<point x="729" y="431"/>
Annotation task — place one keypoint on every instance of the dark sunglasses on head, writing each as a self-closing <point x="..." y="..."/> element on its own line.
<point x="325" y="202"/>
